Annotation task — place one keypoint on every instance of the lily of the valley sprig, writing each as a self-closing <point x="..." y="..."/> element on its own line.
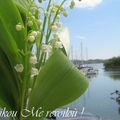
<point x="43" y="27"/>
<point x="45" y="35"/>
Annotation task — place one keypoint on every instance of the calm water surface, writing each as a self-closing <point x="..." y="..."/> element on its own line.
<point x="97" y="99"/>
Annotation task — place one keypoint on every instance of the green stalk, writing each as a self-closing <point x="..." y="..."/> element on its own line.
<point x="23" y="99"/>
<point x="48" y="26"/>
<point x="48" y="36"/>
<point x="43" y="29"/>
<point x="49" y="32"/>
<point x="24" y="83"/>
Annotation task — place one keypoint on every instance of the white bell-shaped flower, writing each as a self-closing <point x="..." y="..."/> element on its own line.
<point x="33" y="59"/>
<point x="30" y="23"/>
<point x="19" y="27"/>
<point x="54" y="28"/>
<point x="19" y="68"/>
<point x="34" y="72"/>
<point x="31" y="38"/>
<point x="46" y="48"/>
<point x="33" y="33"/>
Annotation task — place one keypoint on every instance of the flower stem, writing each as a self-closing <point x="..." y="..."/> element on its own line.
<point x="48" y="36"/>
<point x="43" y="29"/>
<point x="24" y="83"/>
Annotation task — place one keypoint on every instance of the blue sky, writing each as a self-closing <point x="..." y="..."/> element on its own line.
<point x="97" y="26"/>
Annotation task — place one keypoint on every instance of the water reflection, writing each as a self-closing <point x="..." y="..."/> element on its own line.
<point x="113" y="74"/>
<point x="118" y="102"/>
<point x="92" y="76"/>
<point x="119" y="110"/>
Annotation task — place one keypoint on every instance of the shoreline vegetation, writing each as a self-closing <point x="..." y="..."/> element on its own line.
<point x="113" y="63"/>
<point x="90" y="61"/>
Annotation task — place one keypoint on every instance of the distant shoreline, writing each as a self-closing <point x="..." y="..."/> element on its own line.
<point x="113" y="63"/>
<point x="88" y="61"/>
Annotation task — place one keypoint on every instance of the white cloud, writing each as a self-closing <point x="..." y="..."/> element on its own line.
<point x="88" y="3"/>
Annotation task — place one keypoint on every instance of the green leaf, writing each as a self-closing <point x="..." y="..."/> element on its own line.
<point x="7" y="42"/>
<point x="58" y="84"/>
<point x="11" y="17"/>
<point x="10" y="43"/>
<point x="25" y="3"/>
<point x="9" y="85"/>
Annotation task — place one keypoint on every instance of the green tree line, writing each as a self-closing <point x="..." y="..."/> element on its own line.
<point x="112" y="63"/>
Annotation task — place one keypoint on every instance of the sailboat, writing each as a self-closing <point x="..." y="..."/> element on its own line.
<point x="85" y="69"/>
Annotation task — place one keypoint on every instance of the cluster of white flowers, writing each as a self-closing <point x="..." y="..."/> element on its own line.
<point x="56" y="27"/>
<point x="46" y="48"/>
<point x="19" y="68"/>
<point x="32" y="36"/>
<point x="53" y="9"/>
<point x="33" y="61"/>
<point x="32" y="19"/>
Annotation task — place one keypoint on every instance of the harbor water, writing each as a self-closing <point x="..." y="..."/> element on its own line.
<point x="98" y="99"/>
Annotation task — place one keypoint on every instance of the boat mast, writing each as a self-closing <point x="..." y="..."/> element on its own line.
<point x="82" y="53"/>
<point x="72" y="53"/>
<point x="86" y="54"/>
